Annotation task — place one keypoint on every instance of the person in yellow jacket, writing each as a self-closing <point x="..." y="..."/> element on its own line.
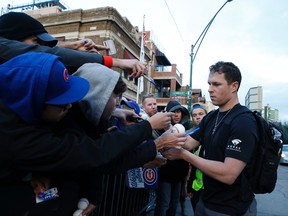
<point x="195" y="181"/>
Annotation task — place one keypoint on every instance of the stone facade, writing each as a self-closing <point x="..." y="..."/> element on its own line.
<point x="98" y="24"/>
<point x="105" y="23"/>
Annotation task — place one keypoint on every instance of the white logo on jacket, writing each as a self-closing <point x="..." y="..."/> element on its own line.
<point x="236" y="141"/>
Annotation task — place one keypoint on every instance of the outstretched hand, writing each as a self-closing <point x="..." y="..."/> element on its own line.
<point x="174" y="153"/>
<point x="157" y="162"/>
<point x="134" y="66"/>
<point x="170" y="140"/>
<point x="161" y="120"/>
<point x="124" y="116"/>
<point x="90" y="208"/>
<point x="84" y="45"/>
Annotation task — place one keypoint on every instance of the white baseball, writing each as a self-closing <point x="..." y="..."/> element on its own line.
<point x="179" y="128"/>
<point x="78" y="212"/>
<point x="83" y="203"/>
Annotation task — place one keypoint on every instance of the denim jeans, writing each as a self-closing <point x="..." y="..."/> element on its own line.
<point x="168" y="195"/>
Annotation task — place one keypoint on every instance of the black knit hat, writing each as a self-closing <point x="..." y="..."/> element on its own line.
<point x="18" y="25"/>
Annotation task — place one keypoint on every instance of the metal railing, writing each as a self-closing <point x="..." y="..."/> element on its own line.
<point x="120" y="200"/>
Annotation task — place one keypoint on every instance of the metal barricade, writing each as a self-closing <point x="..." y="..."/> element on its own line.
<point x="119" y="200"/>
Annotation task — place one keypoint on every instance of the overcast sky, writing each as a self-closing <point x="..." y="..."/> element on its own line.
<point x="250" y="33"/>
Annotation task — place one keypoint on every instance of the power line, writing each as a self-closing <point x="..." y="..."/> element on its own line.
<point x="176" y="26"/>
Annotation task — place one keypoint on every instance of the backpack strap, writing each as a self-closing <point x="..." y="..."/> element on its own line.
<point x="236" y="111"/>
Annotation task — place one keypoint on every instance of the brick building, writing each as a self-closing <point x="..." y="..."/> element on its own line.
<point x="101" y="24"/>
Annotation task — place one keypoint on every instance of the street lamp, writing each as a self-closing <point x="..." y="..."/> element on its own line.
<point x="193" y="56"/>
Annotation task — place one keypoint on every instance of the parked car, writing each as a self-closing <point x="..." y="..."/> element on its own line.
<point x="284" y="155"/>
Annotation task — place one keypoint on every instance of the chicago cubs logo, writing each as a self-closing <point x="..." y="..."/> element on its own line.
<point x="66" y="75"/>
<point x="150" y="176"/>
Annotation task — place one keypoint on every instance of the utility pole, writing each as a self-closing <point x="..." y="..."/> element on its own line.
<point x="193" y="56"/>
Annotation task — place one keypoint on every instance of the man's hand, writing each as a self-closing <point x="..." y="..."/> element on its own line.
<point x="157" y="162"/>
<point x="124" y="116"/>
<point x="101" y="48"/>
<point x="84" y="45"/>
<point x="90" y="208"/>
<point x="170" y="140"/>
<point x="161" y="120"/>
<point x="174" y="153"/>
<point x="135" y="67"/>
<point x="40" y="184"/>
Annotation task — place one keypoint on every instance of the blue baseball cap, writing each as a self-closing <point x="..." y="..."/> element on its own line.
<point x="63" y="88"/>
<point x="133" y="105"/>
<point x="33" y="79"/>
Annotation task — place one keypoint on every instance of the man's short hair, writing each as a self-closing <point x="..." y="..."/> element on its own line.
<point x="147" y="96"/>
<point x="231" y="71"/>
<point x="199" y="105"/>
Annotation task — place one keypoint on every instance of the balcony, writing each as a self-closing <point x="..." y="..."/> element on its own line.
<point x="167" y="72"/>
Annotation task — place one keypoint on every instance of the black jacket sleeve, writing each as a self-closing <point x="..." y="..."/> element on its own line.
<point x="37" y="148"/>
<point x="136" y="157"/>
<point x="72" y="59"/>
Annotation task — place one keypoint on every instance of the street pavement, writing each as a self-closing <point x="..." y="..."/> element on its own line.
<point x="273" y="204"/>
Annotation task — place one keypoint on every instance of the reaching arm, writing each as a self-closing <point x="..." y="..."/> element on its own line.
<point x="136" y="67"/>
<point x="190" y="143"/>
<point x="84" y="45"/>
<point x="72" y="59"/>
<point x="225" y="172"/>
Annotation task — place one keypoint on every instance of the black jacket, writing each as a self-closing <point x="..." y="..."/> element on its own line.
<point x="26" y="148"/>
<point x="71" y="58"/>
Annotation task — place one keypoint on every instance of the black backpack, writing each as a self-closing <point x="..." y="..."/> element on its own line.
<point x="262" y="171"/>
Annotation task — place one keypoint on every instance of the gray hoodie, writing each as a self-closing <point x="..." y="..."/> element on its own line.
<point x="102" y="83"/>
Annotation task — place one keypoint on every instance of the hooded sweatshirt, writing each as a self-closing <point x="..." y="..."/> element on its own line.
<point x="175" y="170"/>
<point x="102" y="82"/>
<point x="101" y="88"/>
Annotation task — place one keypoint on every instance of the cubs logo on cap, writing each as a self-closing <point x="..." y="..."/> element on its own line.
<point x="66" y="74"/>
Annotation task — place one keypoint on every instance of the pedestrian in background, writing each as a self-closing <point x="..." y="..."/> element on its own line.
<point x="173" y="173"/>
<point x="195" y="179"/>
